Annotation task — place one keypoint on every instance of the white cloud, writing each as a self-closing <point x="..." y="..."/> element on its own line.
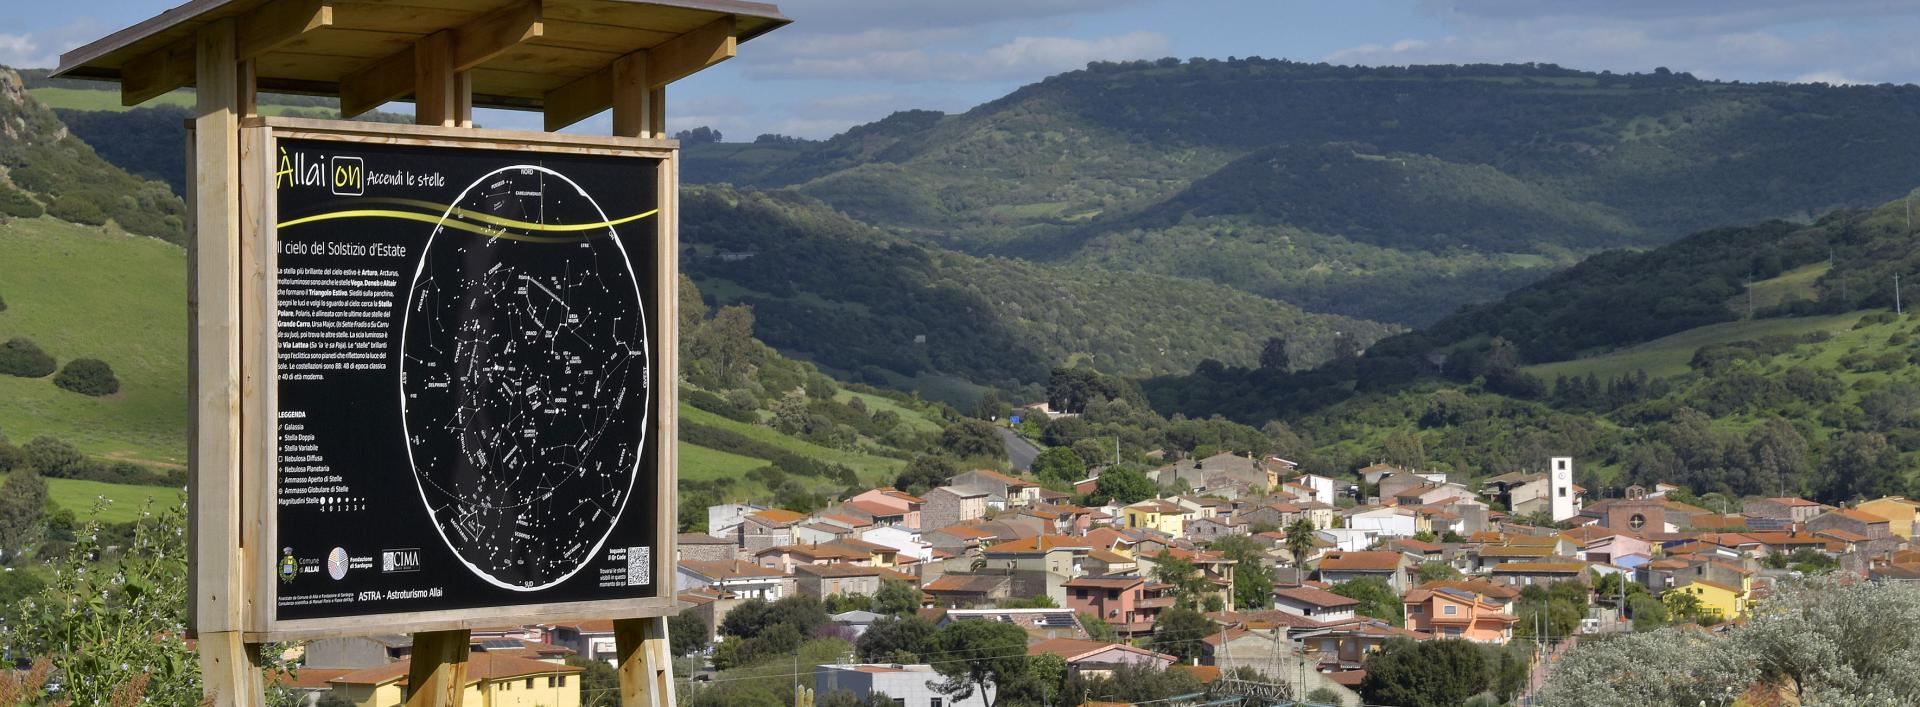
<point x="42" y="48"/>
<point x="1765" y="54"/>
<point x="20" y="50"/>
<point x="1022" y="58"/>
<point x="897" y="14"/>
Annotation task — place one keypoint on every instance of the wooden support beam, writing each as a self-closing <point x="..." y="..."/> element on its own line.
<point x="681" y="56"/>
<point x="371" y="87"/>
<point x="503" y="29"/>
<point x="158" y="72"/>
<point x="467" y="46"/>
<point x="434" y="102"/>
<point x="172" y="67"/>
<point x="213" y="310"/>
<point x="231" y="670"/>
<point x="277" y="23"/>
<point x="646" y="663"/>
<point x="437" y="672"/>
<point x="630" y="91"/>
<point x="673" y="60"/>
<point x="579" y="99"/>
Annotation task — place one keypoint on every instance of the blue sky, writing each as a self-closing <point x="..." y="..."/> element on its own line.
<point x="846" y="62"/>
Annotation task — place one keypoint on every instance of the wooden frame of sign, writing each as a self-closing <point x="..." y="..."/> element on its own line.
<point x="570" y="59"/>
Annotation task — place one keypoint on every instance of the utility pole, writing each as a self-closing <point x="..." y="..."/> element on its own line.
<point x="1749" y="295"/>
<point x="1896" y="293"/>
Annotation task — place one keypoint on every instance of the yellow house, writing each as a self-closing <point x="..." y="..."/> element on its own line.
<point x="492" y="681"/>
<point x="1730" y="601"/>
<point x="1899" y="512"/>
<point x="1155" y="514"/>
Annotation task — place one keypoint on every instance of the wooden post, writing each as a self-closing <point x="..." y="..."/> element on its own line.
<point x="437" y="673"/>
<point x="434" y="88"/>
<point x="219" y="597"/>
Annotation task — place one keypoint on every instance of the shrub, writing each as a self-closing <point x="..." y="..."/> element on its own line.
<point x="78" y="209"/>
<point x="21" y="357"/>
<point x="15" y="203"/>
<point x="88" y="376"/>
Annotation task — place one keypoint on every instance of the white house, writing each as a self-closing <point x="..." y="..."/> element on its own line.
<point x="1391" y="522"/>
<point x="744" y="579"/>
<point x="1323" y="487"/>
<point x="1349" y="539"/>
<point x="723" y="521"/>
<point x="905" y="540"/>
<point x="906" y="684"/>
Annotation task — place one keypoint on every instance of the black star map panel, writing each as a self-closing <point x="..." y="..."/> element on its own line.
<point x="466" y="378"/>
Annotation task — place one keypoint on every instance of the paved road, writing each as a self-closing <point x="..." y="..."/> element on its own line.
<point x="1019" y="450"/>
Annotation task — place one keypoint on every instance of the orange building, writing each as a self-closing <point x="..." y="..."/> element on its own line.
<point x="1458" y="613"/>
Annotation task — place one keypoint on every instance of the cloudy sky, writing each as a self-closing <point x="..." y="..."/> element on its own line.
<point x="846" y="62"/>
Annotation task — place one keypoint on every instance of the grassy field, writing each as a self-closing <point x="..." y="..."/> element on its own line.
<point x="868" y="466"/>
<point x="128" y="501"/>
<point x="90" y="100"/>
<point x="875" y="403"/>
<point x="1797" y="283"/>
<point x="699" y="463"/>
<point x="81" y="291"/>
<point x="1668" y="356"/>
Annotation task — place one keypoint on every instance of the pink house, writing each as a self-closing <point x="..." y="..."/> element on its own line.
<point x="1458" y="613"/>
<point x="888" y="503"/>
<point x="1115" y="599"/>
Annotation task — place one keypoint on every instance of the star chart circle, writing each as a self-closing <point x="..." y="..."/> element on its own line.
<point x="524" y="378"/>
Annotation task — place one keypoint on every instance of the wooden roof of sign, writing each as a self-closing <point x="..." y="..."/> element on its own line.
<point x="551" y="55"/>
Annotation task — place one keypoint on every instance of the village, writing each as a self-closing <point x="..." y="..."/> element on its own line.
<point x="1421" y="559"/>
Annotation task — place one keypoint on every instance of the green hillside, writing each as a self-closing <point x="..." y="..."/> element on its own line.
<point x="1668" y="356"/>
<point x="125" y="502"/>
<point x="89" y="292"/>
<point x="882" y="310"/>
<point x="1496" y="172"/>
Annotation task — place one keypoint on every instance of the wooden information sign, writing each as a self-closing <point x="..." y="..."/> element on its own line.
<point x="433" y="366"/>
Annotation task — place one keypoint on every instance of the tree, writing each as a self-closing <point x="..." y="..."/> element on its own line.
<point x="1122" y="483"/>
<point x="1273" y="355"/>
<point x="1686" y="608"/>
<point x="1252" y="576"/>
<point x="1300" y="537"/>
<point x="1779" y="456"/>
<point x="21" y="357"/>
<point x="976" y="655"/>
<point x="1664" y="667"/>
<point x="1860" y="465"/>
<point x="1648" y="613"/>
<point x="890" y="639"/>
<point x="991" y="407"/>
<point x="1324" y="696"/>
<point x="702" y="134"/>
<point x="1405" y="450"/>
<point x="1190" y="585"/>
<point x="335" y="699"/>
<point x="1059" y="465"/>
<point x="1377" y="599"/>
<point x="88" y="376"/>
<point x="1097" y="628"/>
<point x="1178" y="632"/>
<point x="925" y="473"/>
<point x="1830" y="638"/>
<point x="896" y="598"/>
<point x="687" y="632"/>
<point x="1441" y="673"/>
<point x="23" y="500"/>
<point x="972" y="439"/>
<point x="599" y="683"/>
<point x="1435" y="571"/>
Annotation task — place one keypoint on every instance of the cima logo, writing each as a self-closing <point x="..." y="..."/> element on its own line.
<point x="407" y="560"/>
<point x="344" y="176"/>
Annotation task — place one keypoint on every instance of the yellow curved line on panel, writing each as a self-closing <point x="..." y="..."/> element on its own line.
<point x="470" y="228"/>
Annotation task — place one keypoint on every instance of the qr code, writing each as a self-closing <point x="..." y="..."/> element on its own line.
<point x="639" y="566"/>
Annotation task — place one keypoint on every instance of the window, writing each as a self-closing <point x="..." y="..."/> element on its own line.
<point x="549" y="681"/>
<point x="529" y="683"/>
<point x="1451" y="610"/>
<point x="1080" y="593"/>
<point x="563" y="681"/>
<point x="1113" y="594"/>
<point x="935" y="702"/>
<point x="1563" y="492"/>
<point x="1636" y="521"/>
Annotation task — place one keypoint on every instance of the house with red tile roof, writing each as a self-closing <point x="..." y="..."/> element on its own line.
<point x="1115" y="599"/>
<point x="744" y="579"/>
<point x="1314" y="603"/>
<point x="1012" y="492"/>
<point x="760" y="530"/>
<point x="906" y="506"/>
<point x="1450" y="612"/>
<point x="1392" y="567"/>
<point x="1098" y="658"/>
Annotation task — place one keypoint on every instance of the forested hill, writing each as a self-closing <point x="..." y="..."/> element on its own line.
<point x="883" y="310"/>
<point x="1113" y="162"/>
